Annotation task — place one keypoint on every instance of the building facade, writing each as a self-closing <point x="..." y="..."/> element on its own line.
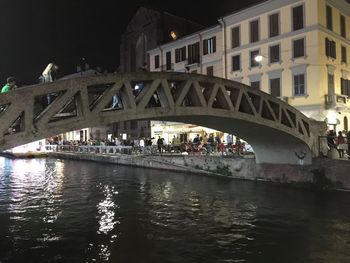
<point x="147" y="29"/>
<point x="296" y="50"/>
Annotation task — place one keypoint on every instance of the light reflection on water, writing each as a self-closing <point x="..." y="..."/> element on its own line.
<point x="29" y="186"/>
<point x="107" y="210"/>
<point x="65" y="211"/>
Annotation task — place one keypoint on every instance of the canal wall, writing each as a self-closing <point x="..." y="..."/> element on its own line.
<point x="324" y="173"/>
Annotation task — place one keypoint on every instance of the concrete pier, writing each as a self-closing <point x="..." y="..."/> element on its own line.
<point x="324" y="173"/>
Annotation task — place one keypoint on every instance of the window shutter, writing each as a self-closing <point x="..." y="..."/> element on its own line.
<point x="205" y="47"/>
<point x="214" y="44"/>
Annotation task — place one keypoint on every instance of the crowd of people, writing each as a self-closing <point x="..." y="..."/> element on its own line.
<point x="212" y="144"/>
<point x="340" y="142"/>
<point x="199" y="145"/>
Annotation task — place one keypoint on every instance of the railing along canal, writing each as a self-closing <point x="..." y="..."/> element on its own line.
<point x="90" y="149"/>
<point x="153" y="149"/>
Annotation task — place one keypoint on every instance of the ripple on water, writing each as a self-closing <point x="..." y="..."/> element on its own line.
<point x="65" y="211"/>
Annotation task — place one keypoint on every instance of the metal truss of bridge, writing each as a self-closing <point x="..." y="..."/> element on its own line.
<point x="278" y="132"/>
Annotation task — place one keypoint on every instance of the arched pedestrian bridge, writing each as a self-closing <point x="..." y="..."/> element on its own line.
<point x="277" y="131"/>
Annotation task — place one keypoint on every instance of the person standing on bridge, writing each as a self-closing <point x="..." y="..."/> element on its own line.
<point x="10" y="85"/>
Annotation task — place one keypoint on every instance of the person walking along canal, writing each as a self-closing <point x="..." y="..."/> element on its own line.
<point x="160" y="144"/>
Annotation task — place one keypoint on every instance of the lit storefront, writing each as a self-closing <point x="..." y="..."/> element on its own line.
<point x="185" y="132"/>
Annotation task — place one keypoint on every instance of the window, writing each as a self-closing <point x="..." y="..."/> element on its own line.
<point x="180" y="54"/>
<point x="254" y="31"/>
<point x="331" y="48"/>
<point x="274" y="25"/>
<point x="168" y="60"/>
<point x="275" y="87"/>
<point x="236" y="63"/>
<point x="156" y="61"/>
<point x="299" y="84"/>
<point x="193" y="53"/>
<point x="298" y="48"/>
<point x="235" y="34"/>
<point x="210" y="71"/>
<point x="298" y="17"/>
<point x="173" y="35"/>
<point x="209" y="46"/>
<point x="346" y="125"/>
<point x="329" y="18"/>
<point x="133" y="125"/>
<point x="253" y="62"/>
<point x="274" y="55"/>
<point x="343" y="54"/>
<point x="330" y="84"/>
<point x="345" y="87"/>
<point x="255" y="84"/>
<point x="342" y="26"/>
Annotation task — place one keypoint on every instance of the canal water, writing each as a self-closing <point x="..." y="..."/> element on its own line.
<point x="69" y="211"/>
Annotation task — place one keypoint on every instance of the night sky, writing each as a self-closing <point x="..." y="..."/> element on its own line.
<point x="36" y="32"/>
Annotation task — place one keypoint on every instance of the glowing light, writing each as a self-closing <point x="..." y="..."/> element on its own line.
<point x="332" y="118"/>
<point x="258" y="58"/>
<point x="36" y="146"/>
<point x="173" y="35"/>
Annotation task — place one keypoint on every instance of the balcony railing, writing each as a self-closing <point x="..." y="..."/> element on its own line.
<point x="167" y="67"/>
<point x="192" y="64"/>
<point x="336" y="100"/>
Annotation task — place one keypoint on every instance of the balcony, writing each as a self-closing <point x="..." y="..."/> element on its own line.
<point x="336" y="101"/>
<point x="167" y="67"/>
<point x="192" y="64"/>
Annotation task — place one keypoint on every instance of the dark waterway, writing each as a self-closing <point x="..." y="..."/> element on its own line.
<point x="68" y="211"/>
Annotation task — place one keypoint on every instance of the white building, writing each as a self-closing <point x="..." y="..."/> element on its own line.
<point x="303" y="46"/>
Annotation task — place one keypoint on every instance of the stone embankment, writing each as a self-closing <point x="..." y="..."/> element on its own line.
<point x="324" y="173"/>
